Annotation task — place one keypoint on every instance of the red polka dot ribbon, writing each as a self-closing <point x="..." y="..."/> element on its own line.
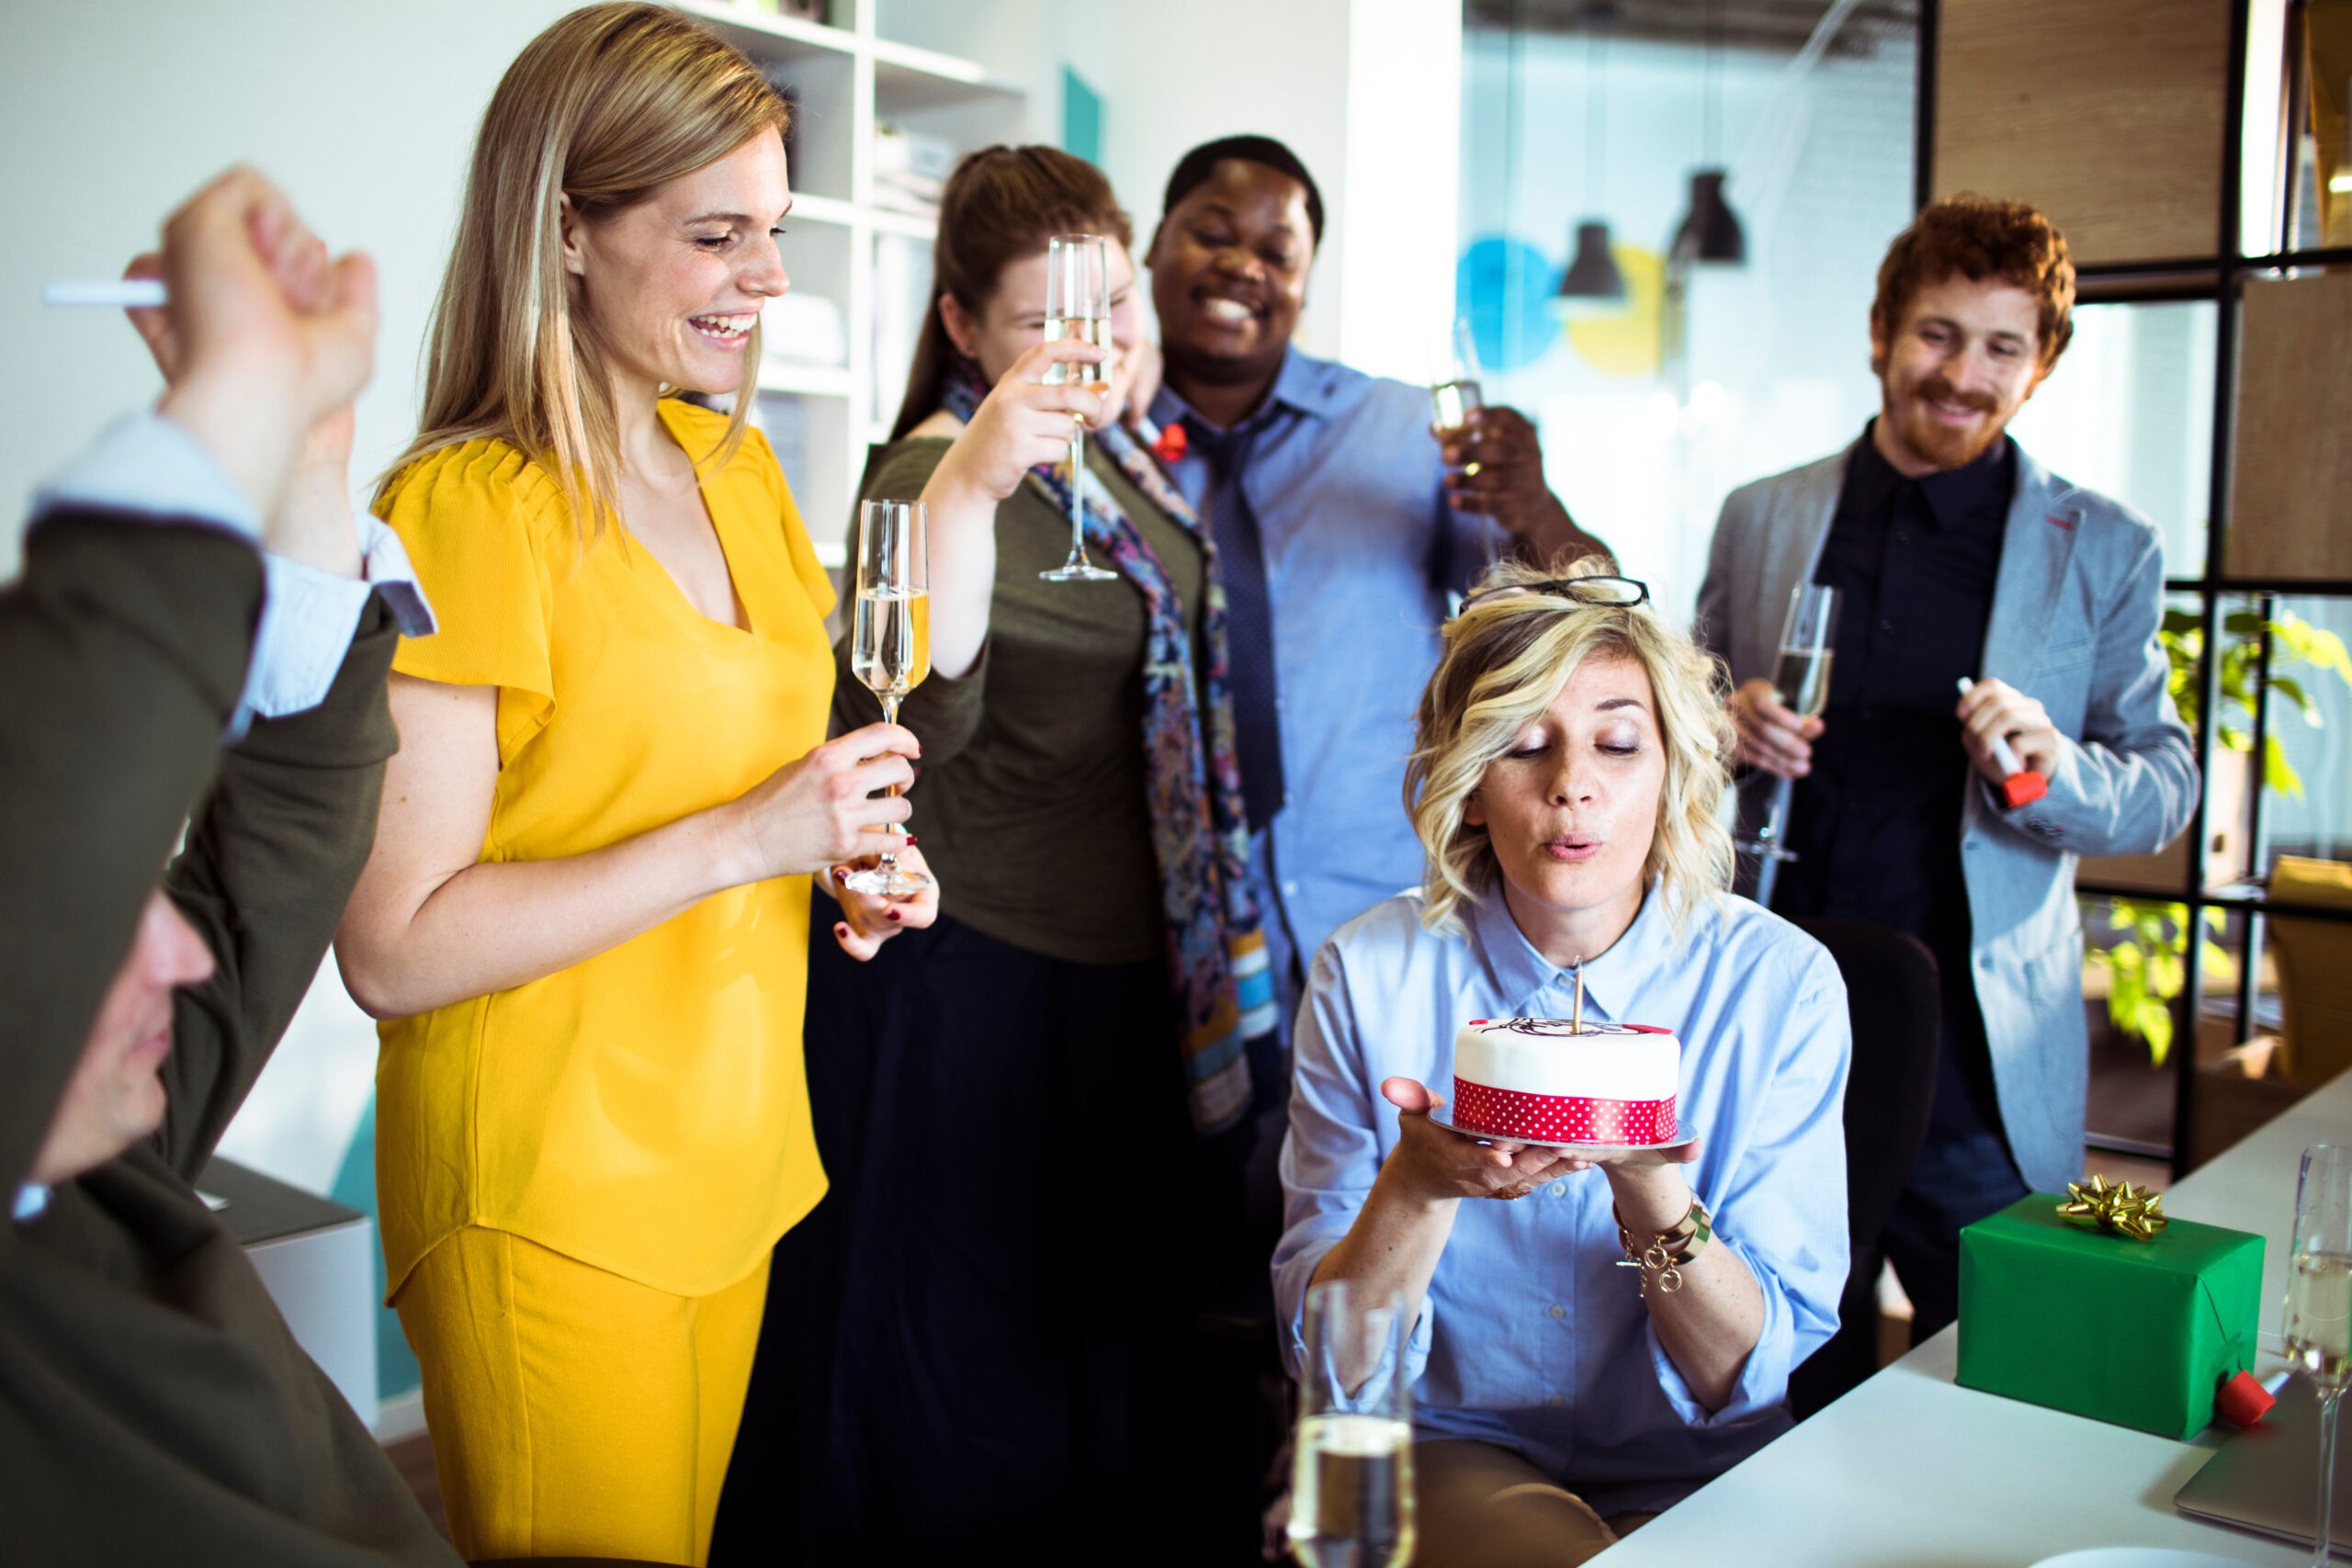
<point x="1561" y="1118"/>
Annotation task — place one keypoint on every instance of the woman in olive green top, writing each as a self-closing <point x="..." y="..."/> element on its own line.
<point x="1006" y="1337"/>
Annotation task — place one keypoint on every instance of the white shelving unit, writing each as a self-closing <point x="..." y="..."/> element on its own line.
<point x="872" y="260"/>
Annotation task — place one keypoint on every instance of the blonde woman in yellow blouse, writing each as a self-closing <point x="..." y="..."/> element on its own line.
<point x="585" y="920"/>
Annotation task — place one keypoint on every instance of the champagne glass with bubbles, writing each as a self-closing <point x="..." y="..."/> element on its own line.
<point x="1800" y="679"/>
<point x="1078" y="305"/>
<point x="889" y="649"/>
<point x="2319" y="1305"/>
<point x="1352" y="1478"/>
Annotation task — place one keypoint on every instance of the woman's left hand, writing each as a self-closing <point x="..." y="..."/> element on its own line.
<point x="1646" y="1184"/>
<point x="869" y="919"/>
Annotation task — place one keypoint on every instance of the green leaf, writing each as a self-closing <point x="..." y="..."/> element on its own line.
<point x="2277" y="772"/>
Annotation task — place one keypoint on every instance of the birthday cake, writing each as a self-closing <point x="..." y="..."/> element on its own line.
<point x="1543" y="1079"/>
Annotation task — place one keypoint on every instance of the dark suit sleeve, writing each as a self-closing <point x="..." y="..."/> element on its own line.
<point x="122" y="651"/>
<point x="270" y="864"/>
<point x="1718" y="591"/>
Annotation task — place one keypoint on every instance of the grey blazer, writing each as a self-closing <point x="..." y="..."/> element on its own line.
<point x="2075" y="607"/>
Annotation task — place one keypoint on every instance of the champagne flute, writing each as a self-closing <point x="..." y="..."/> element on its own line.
<point x="889" y="647"/>
<point x="1800" y="679"/>
<point x="1351" y="1480"/>
<point x="1078" y="305"/>
<point x="1455" y="395"/>
<point x="2319" y="1305"/>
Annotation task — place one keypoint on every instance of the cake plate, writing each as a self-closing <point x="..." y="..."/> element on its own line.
<point x="1687" y="1134"/>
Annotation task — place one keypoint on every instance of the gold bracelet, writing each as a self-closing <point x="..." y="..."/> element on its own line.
<point x="1667" y="1253"/>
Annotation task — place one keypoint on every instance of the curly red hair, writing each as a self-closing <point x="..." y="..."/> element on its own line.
<point x="1977" y="238"/>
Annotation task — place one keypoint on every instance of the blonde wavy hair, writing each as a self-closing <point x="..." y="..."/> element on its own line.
<point x="602" y="107"/>
<point x="1507" y="660"/>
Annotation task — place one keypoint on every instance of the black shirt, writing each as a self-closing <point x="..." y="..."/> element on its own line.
<point x="1875" y="826"/>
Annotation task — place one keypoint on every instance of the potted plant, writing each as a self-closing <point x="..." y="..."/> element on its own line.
<point x="2147" y="967"/>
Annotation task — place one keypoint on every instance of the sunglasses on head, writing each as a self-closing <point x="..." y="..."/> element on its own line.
<point x="1608" y="592"/>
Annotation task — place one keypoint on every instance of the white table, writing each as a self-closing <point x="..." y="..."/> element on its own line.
<point x="1912" y="1469"/>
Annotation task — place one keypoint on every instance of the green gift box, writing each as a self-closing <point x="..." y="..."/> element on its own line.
<point x="2137" y="1332"/>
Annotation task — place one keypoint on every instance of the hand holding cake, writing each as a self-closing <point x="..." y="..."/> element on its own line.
<point x="1434" y="1165"/>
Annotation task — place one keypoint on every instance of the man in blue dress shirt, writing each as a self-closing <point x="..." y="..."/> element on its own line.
<point x="1340" y="524"/>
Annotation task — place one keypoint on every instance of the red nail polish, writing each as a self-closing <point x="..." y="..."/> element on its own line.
<point x="840" y="930"/>
<point x="841" y="874"/>
<point x="890" y="914"/>
<point x="910" y="839"/>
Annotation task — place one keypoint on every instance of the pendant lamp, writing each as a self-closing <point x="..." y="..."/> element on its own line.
<point x="1592" y="285"/>
<point x="1711" y="230"/>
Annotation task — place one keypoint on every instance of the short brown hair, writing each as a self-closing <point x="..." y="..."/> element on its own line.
<point x="1978" y="238"/>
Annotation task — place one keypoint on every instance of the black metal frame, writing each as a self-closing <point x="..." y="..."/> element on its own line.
<point x="2218" y="279"/>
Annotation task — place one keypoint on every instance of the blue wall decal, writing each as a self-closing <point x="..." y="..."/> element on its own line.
<point x="1081" y="118"/>
<point x="1505" y="287"/>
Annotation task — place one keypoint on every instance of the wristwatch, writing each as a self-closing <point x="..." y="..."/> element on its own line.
<point x="1665" y="1254"/>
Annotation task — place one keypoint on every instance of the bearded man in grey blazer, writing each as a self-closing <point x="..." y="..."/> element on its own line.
<point x="1958" y="558"/>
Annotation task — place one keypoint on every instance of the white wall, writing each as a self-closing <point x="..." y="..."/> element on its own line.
<point x="115" y="109"/>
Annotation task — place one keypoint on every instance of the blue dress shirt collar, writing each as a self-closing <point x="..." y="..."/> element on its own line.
<point x="1612" y="981"/>
<point x="1301" y="386"/>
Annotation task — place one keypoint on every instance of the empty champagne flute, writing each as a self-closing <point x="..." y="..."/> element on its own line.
<point x="1800" y="679"/>
<point x="889" y="649"/>
<point x="1078" y="305"/>
<point x="2319" y="1305"/>
<point x="1352" y="1478"/>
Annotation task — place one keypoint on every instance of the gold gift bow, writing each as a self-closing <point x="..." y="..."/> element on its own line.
<point x="2136" y="1212"/>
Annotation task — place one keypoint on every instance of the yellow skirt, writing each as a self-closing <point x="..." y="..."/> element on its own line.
<point x="575" y="1413"/>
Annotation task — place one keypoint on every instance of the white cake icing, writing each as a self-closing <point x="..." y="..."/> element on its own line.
<point x="1544" y="1056"/>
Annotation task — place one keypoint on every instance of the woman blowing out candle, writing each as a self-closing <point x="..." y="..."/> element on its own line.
<point x="1565" y="782"/>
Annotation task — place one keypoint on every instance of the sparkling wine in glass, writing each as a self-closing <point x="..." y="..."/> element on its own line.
<point x="1453" y="402"/>
<point x="889" y="640"/>
<point x="1454" y="396"/>
<point x="2319" y="1306"/>
<point x="1078" y="305"/>
<point x="1800" y="679"/>
<point x="1352" y="1478"/>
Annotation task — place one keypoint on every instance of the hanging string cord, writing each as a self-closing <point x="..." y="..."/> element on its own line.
<point x="1793" y="75"/>
<point x="1711" y="69"/>
<point x="1595" y="135"/>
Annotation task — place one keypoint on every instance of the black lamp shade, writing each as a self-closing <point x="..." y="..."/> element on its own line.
<point x="1592" y="274"/>
<point x="1710" y="232"/>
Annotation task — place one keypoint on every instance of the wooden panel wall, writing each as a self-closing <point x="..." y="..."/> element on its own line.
<point x="2290" y="508"/>
<point x="2105" y="114"/>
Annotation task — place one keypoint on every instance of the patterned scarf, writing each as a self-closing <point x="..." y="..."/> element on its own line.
<point x="1216" y="950"/>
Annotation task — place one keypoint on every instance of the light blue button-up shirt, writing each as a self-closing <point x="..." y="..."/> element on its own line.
<point x="1532" y="1337"/>
<point x="1361" y="551"/>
